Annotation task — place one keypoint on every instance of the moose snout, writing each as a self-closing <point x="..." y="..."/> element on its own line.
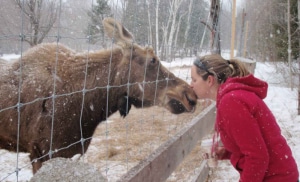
<point x="191" y="99"/>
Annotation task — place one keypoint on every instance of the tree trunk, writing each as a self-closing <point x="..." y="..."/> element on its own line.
<point x="299" y="58"/>
<point x="289" y="42"/>
<point x="233" y="29"/>
<point x="188" y="24"/>
<point x="156" y="27"/>
<point x="177" y="31"/>
<point x="174" y="9"/>
<point x="163" y="46"/>
<point x="149" y="21"/>
<point x="242" y="32"/>
<point x="215" y="15"/>
<point x="39" y="27"/>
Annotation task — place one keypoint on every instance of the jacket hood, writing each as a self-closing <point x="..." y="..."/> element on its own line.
<point x="247" y="83"/>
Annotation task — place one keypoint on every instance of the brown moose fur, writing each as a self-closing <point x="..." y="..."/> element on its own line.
<point x="49" y="82"/>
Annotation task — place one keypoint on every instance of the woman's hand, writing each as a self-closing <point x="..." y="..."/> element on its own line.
<point x="221" y="153"/>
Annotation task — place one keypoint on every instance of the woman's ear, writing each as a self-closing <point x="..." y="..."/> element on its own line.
<point x="211" y="80"/>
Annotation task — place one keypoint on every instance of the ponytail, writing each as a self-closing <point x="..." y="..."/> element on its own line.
<point x="238" y="68"/>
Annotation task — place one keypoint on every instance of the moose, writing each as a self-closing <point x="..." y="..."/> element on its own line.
<point x="53" y="98"/>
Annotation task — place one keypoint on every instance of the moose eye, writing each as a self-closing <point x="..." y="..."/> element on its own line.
<point x="153" y="60"/>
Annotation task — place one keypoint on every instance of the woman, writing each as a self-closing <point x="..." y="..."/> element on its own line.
<point x="248" y="130"/>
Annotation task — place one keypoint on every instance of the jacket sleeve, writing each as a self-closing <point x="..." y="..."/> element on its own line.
<point x="226" y="155"/>
<point x="243" y="128"/>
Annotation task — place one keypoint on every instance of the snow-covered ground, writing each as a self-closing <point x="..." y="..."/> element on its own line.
<point x="281" y="100"/>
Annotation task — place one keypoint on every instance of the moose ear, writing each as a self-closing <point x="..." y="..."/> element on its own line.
<point x="115" y="30"/>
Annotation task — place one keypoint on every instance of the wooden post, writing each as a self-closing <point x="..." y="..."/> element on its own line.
<point x="233" y="29"/>
<point x="245" y="40"/>
<point x="242" y="32"/>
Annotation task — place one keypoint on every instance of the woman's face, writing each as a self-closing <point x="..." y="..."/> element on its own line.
<point x="200" y="86"/>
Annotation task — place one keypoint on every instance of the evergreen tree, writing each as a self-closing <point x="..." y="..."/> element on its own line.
<point x="97" y="13"/>
<point x="281" y="35"/>
<point x="136" y="20"/>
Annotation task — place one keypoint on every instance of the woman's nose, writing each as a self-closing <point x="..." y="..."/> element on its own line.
<point x="191" y="85"/>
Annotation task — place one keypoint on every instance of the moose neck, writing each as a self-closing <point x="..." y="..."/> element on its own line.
<point x="102" y="71"/>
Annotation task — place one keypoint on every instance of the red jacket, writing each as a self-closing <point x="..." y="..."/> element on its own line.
<point x="249" y="132"/>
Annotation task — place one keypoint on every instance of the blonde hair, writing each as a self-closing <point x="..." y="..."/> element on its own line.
<point x="221" y="68"/>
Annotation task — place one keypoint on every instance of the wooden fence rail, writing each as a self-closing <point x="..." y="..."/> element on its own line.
<point x="159" y="165"/>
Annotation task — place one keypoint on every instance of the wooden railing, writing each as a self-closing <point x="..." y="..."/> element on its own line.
<point x="159" y="165"/>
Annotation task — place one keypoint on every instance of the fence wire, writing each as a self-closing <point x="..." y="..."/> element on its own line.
<point x="59" y="38"/>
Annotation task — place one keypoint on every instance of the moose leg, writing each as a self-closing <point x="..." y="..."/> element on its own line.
<point x="35" y="157"/>
<point x="36" y="165"/>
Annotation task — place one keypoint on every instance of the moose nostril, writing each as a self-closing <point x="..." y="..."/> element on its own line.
<point x="191" y="102"/>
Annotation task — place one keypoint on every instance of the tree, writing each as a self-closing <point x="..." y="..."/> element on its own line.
<point x="164" y="24"/>
<point x="215" y="34"/>
<point x="268" y="35"/>
<point x="188" y="23"/>
<point x="259" y="41"/>
<point x="172" y="19"/>
<point x="175" y="5"/>
<point x="40" y="15"/>
<point x="97" y="13"/>
<point x="197" y="34"/>
<point x="299" y="56"/>
<point x="150" y="22"/>
<point x="157" y="26"/>
<point x="285" y="27"/>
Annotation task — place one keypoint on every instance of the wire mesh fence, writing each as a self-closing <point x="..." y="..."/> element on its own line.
<point x="54" y="97"/>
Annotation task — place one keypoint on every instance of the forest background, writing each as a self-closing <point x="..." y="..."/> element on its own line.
<point x="259" y="30"/>
<point x="173" y="28"/>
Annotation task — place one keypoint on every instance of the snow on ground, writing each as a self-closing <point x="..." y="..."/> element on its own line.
<point x="281" y="100"/>
<point x="10" y="56"/>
